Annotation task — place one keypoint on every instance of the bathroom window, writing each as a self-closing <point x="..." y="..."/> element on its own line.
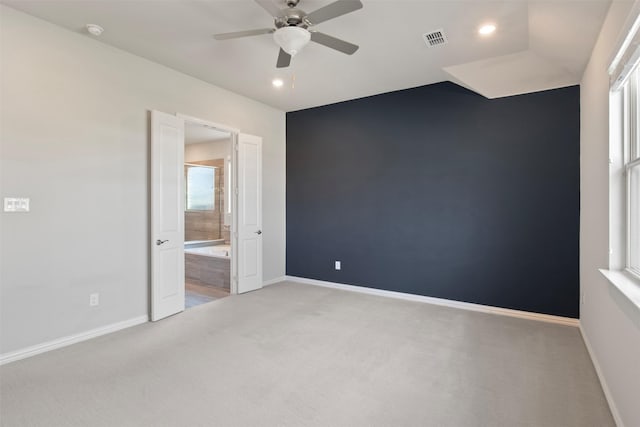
<point x="200" y="188"/>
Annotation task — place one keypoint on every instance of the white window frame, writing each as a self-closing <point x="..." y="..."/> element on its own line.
<point x="631" y="160"/>
<point x="624" y="128"/>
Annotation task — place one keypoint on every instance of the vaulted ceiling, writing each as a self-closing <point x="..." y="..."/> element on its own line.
<point x="538" y="45"/>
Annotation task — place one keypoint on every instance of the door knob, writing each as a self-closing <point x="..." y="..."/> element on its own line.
<point x="259" y="232"/>
<point x="160" y="242"/>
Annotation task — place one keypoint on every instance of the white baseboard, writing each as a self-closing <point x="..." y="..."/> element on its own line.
<point x="603" y="382"/>
<point x="68" y="340"/>
<point x="440" y="301"/>
<point x="274" y="281"/>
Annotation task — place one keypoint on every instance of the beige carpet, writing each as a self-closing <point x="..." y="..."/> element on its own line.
<point x="297" y="355"/>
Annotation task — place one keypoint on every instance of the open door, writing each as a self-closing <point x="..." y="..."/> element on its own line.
<point x="249" y="213"/>
<point x="167" y="215"/>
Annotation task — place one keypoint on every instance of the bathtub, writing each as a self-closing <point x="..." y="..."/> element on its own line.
<point x="209" y="265"/>
<point x="217" y="251"/>
<point x="202" y="243"/>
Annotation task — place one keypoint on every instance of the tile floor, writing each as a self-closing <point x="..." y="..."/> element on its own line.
<point x="197" y="293"/>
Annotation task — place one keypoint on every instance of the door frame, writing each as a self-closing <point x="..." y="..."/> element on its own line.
<point x="233" y="285"/>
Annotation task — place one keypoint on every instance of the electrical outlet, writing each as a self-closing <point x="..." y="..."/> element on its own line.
<point x="94" y="300"/>
<point x="16" y="204"/>
<point x="582" y="299"/>
<point x="338" y="265"/>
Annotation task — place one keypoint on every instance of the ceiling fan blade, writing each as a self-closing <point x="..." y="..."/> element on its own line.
<point x="333" y="10"/>
<point x="284" y="59"/>
<point x="270" y="7"/>
<point x="247" y="33"/>
<point x="334" y="43"/>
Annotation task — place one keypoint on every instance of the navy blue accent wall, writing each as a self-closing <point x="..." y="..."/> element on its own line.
<point x="441" y="192"/>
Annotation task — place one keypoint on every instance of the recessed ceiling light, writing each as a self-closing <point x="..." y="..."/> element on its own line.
<point x="94" y="30"/>
<point x="277" y="83"/>
<point x="485" y="30"/>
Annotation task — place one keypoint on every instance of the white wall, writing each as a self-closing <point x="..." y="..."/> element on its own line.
<point x="207" y="151"/>
<point x="609" y="322"/>
<point x="74" y="138"/>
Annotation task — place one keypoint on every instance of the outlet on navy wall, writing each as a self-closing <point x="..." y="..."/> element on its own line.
<point x="438" y="191"/>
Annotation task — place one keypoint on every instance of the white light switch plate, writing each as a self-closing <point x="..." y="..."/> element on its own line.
<point x="16" y="204"/>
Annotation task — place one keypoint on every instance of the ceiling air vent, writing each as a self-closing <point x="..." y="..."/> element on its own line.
<point x="435" y="38"/>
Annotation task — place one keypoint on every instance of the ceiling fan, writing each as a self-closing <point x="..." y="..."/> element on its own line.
<point x="292" y="25"/>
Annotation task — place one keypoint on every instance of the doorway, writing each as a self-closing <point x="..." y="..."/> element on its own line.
<point x="210" y="197"/>
<point x="207" y="213"/>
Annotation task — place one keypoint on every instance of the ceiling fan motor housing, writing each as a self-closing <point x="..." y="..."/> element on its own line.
<point x="293" y="18"/>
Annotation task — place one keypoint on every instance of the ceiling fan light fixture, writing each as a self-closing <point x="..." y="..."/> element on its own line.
<point x="292" y="39"/>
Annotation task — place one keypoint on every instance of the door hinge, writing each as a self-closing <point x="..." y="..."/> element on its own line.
<point x="236" y="146"/>
<point x="236" y="190"/>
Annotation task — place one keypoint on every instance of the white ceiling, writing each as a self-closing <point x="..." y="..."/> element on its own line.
<point x="538" y="44"/>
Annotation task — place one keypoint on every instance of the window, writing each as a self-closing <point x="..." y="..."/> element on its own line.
<point x="624" y="166"/>
<point x="631" y="171"/>
<point x="200" y="188"/>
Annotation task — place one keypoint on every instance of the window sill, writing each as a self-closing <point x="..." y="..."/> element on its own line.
<point x="625" y="283"/>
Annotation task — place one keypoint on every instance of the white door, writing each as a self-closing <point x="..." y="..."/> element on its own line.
<point x="249" y="213"/>
<point x="167" y="215"/>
